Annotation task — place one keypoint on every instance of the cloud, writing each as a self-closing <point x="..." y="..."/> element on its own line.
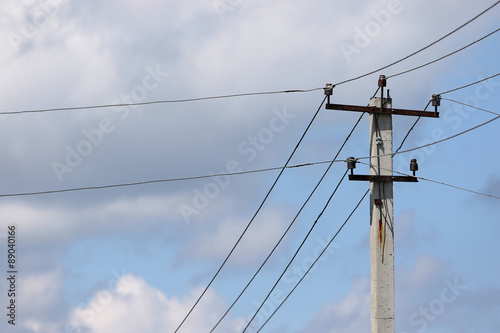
<point x="135" y="306"/>
<point x="258" y="241"/>
<point x="95" y="51"/>
<point x="351" y="314"/>
<point x="492" y="188"/>
<point x="426" y="270"/>
<point x="55" y="225"/>
<point x="420" y="285"/>
<point x="129" y="305"/>
<point x="40" y="302"/>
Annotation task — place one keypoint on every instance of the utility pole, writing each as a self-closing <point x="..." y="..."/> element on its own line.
<point x="381" y="219"/>
<point x="381" y="200"/>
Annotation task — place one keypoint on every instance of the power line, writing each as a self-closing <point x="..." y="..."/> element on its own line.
<point x="253" y="217"/>
<point x="100" y="187"/>
<point x="294" y="219"/>
<point x="470" y="84"/>
<point x="161" y="101"/>
<point x="250" y="171"/>
<point x="435" y="142"/>
<point x="456" y="187"/>
<point x="445" y="56"/>
<point x="401" y="145"/>
<point x="470" y="106"/>
<point x="422" y="49"/>
<point x="291" y="224"/>
<point x="409" y="131"/>
<point x="296" y="252"/>
<point x="252" y="93"/>
<point x="315" y="261"/>
<point x="438" y="182"/>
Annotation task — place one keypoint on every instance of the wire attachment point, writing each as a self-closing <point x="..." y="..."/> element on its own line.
<point x="413" y="166"/>
<point x="329" y="91"/>
<point x="351" y="164"/>
<point x="436" y="101"/>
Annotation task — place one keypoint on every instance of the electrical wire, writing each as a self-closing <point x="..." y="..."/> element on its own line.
<point x="253" y="93"/>
<point x="409" y="131"/>
<point x="422" y="49"/>
<point x="435" y="142"/>
<point x="100" y="187"/>
<point x="470" y="106"/>
<point x="295" y="218"/>
<point x="438" y="182"/>
<point x="162" y="101"/>
<point x="296" y="252"/>
<point x="443" y="57"/>
<point x="401" y="145"/>
<point x="253" y="171"/>
<point x="293" y="221"/>
<point x="470" y="84"/>
<point x="253" y="217"/>
<point x="314" y="262"/>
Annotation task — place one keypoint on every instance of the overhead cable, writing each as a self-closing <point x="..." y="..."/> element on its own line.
<point x="471" y="106"/>
<point x="422" y="49"/>
<point x="296" y="253"/>
<point x="470" y="84"/>
<point x="103" y="106"/>
<point x="437" y="182"/>
<point x="250" y="171"/>
<point x="435" y="142"/>
<point x="443" y="57"/>
<point x="315" y="261"/>
<point x="409" y="131"/>
<point x="101" y="187"/>
<point x="293" y="221"/>
<point x="253" y="217"/>
<point x="253" y="93"/>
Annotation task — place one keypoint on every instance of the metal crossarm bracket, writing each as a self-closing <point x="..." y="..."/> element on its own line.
<point x="371" y="109"/>
<point x="376" y="178"/>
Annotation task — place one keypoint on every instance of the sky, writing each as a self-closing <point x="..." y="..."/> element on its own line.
<point x="137" y="258"/>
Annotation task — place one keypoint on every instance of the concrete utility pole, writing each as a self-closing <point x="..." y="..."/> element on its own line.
<point x="381" y="221"/>
<point x="381" y="199"/>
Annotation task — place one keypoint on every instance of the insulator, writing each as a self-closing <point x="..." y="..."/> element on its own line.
<point x="328" y="89"/>
<point x="382" y="81"/>
<point x="413" y="165"/>
<point x="436" y="100"/>
<point x="351" y="163"/>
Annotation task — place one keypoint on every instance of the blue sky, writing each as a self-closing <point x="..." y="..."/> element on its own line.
<point x="136" y="258"/>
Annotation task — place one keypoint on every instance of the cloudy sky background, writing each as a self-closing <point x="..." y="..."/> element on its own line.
<point x="127" y="259"/>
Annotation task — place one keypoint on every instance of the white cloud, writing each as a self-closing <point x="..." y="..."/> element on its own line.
<point x="258" y="241"/>
<point x="351" y="314"/>
<point x="42" y="291"/>
<point x="94" y="51"/>
<point x="426" y="270"/>
<point x="135" y="306"/>
<point x="130" y="305"/>
<point x="39" y="299"/>
<point x="57" y="225"/>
